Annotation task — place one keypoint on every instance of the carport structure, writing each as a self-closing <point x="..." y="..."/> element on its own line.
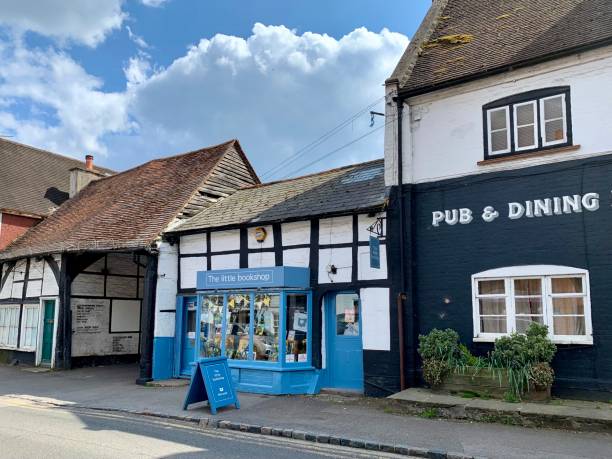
<point x="80" y="287"/>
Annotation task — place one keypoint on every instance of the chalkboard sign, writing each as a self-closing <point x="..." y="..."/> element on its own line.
<point x="212" y="381"/>
<point x="374" y="252"/>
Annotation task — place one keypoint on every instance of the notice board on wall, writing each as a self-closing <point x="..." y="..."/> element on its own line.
<point x="91" y="331"/>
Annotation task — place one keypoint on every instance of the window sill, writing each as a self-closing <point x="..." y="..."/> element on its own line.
<point x="534" y="154"/>
<point x="587" y="341"/>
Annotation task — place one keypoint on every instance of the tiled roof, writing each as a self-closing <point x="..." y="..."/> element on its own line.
<point x="34" y="181"/>
<point x="347" y="189"/>
<point x="124" y="211"/>
<point x="471" y="38"/>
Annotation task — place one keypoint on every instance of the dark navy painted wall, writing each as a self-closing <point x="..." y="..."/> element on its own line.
<point x="445" y="257"/>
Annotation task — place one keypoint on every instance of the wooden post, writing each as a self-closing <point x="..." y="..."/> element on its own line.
<point x="147" y="321"/>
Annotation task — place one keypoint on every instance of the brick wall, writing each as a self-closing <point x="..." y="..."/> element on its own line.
<point x="12" y="226"/>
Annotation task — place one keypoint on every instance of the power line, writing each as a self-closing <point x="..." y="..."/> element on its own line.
<point x="312" y="145"/>
<point x="321" y="158"/>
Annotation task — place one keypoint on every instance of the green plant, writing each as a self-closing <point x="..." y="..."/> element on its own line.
<point x="511" y="397"/>
<point x="434" y="371"/>
<point x="542" y="376"/>
<point x="520" y="352"/>
<point x="430" y="413"/>
<point x="440" y="345"/>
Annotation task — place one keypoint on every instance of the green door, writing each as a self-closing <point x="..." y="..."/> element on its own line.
<point x="47" y="342"/>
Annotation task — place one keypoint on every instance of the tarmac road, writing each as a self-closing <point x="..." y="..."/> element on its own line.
<point x="36" y="430"/>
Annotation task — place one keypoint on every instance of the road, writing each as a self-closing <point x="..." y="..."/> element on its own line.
<point x="36" y="430"/>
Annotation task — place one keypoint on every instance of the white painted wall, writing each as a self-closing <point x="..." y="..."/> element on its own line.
<point x="193" y="243"/>
<point x="262" y="260"/>
<point x="268" y="243"/>
<point x="229" y="261"/>
<point x="336" y="230"/>
<point x="165" y="294"/>
<point x="364" y="222"/>
<point x="296" y="257"/>
<point x="189" y="269"/>
<point x="364" y="271"/>
<point x="295" y="233"/>
<point x="375" y="325"/>
<point x="88" y="285"/>
<point x="444" y="138"/>
<point x="341" y="258"/>
<point x="222" y="241"/>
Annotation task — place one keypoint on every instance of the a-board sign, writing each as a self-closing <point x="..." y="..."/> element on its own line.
<point x="211" y="380"/>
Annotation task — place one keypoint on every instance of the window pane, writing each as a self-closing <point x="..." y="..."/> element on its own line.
<point x="211" y="323"/>
<point x="554" y="130"/>
<point x="524" y="115"/>
<point x="492" y="287"/>
<point x="569" y="326"/>
<point x="528" y="287"/>
<point x="492" y="306"/>
<point x="296" y="341"/>
<point x="528" y="305"/>
<point x="567" y="285"/>
<point x="493" y="324"/>
<point x="265" y="339"/>
<point x="553" y="108"/>
<point x="347" y="315"/>
<point x="238" y="322"/>
<point x="563" y="306"/>
<point x="522" y="322"/>
<point x="525" y="137"/>
<point x="499" y="140"/>
<point x="498" y="119"/>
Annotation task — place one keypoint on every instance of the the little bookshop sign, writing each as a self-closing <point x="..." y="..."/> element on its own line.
<point x="536" y="208"/>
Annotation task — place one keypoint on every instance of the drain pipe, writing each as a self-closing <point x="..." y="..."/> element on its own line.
<point x="401" y="296"/>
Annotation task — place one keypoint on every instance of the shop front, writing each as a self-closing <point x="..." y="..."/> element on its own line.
<point x="261" y="320"/>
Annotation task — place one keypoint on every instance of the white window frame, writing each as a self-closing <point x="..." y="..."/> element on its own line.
<point x="546" y="273"/>
<point x="22" y="332"/>
<point x="543" y="120"/>
<point x="491" y="131"/>
<point x="534" y="104"/>
<point x="15" y="307"/>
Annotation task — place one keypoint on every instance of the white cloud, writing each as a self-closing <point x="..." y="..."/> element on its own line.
<point x="276" y="91"/>
<point x="137" y="39"/>
<point x="66" y="109"/>
<point x="84" y="21"/>
<point x="153" y="3"/>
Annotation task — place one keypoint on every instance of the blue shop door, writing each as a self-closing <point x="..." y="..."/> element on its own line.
<point x="188" y="346"/>
<point x="344" y="345"/>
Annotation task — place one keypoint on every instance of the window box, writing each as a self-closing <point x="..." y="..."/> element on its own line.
<point x="525" y="123"/>
<point x="506" y="300"/>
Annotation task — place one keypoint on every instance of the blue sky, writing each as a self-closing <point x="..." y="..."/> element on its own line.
<point x="133" y="80"/>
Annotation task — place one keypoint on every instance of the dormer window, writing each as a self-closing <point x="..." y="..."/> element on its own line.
<point x="528" y="122"/>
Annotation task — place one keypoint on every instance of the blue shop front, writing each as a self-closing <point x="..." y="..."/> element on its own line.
<point x="261" y="319"/>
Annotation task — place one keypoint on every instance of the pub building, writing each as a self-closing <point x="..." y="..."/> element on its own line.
<point x="504" y="208"/>
<point x="289" y="281"/>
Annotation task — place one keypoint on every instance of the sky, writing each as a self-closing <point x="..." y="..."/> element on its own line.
<point x="133" y="80"/>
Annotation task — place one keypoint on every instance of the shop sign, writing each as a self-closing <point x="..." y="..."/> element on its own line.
<point x="281" y="276"/>
<point x="374" y="252"/>
<point x="212" y="381"/>
<point x="547" y="207"/>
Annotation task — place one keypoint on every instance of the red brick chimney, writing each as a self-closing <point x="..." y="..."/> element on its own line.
<point x="89" y="162"/>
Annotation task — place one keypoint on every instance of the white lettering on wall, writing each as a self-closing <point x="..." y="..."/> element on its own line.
<point x="530" y="209"/>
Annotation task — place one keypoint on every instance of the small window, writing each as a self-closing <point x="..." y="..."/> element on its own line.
<point x="29" y="326"/>
<point x="510" y="299"/>
<point x="499" y="131"/>
<point x="9" y="325"/>
<point x="527" y="122"/>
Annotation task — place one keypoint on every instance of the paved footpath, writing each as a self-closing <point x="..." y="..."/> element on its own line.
<point x="113" y="388"/>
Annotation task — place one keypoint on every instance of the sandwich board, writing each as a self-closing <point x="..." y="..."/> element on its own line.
<point x="211" y="380"/>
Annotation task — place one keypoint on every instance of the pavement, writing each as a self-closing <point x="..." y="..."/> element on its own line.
<point x="68" y="433"/>
<point x="113" y="388"/>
